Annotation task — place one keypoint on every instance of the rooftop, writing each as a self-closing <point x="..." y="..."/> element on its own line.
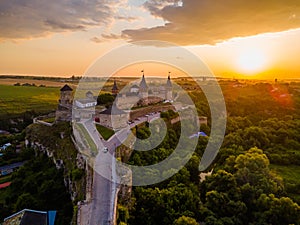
<point x="12" y="166"/>
<point x="115" y="87"/>
<point x="113" y="110"/>
<point x="32" y="217"/>
<point x="66" y="88"/>
<point x="86" y="100"/>
<point x="143" y="83"/>
<point x="169" y="84"/>
<point x="134" y="86"/>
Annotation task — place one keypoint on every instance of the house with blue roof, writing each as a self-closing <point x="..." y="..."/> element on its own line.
<point x="31" y="217"/>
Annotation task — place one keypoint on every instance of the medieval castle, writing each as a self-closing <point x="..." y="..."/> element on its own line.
<point x="137" y="95"/>
<point x="142" y="94"/>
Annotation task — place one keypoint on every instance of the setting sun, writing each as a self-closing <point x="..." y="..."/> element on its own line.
<point x="251" y="61"/>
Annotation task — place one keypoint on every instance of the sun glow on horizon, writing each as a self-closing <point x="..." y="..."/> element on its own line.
<point x="251" y="61"/>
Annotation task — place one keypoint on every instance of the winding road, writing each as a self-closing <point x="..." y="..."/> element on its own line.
<point x="101" y="210"/>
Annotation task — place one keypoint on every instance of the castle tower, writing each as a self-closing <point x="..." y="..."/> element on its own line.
<point x="65" y="96"/>
<point x="115" y="89"/>
<point x="89" y="95"/>
<point x="169" y="93"/>
<point x="143" y="91"/>
<point x="64" y="109"/>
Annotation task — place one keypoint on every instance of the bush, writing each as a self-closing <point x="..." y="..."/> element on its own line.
<point x="77" y="174"/>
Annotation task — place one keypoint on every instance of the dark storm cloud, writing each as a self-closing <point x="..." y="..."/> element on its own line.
<point x="194" y="22"/>
<point x="21" y="19"/>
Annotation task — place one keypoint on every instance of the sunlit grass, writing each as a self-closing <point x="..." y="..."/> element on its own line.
<point x="18" y="99"/>
<point x="291" y="178"/>
<point x="105" y="132"/>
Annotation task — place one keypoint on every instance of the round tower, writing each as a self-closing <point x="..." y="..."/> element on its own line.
<point x="169" y="93"/>
<point x="143" y="90"/>
<point x="115" y="89"/>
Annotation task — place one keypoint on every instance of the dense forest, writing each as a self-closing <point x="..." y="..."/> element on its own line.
<point x="255" y="176"/>
<point x="38" y="185"/>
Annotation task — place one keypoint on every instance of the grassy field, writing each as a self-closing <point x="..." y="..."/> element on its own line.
<point x="105" y="132"/>
<point x="18" y="99"/>
<point x="49" y="120"/>
<point x="291" y="178"/>
<point x="290" y="174"/>
<point x="87" y="138"/>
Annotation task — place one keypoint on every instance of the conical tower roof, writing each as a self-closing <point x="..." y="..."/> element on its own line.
<point x="143" y="84"/>
<point x="169" y="83"/>
<point x="66" y="88"/>
<point x="115" y="87"/>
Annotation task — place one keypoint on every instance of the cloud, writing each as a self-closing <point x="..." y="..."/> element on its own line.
<point x="195" y="22"/>
<point x="21" y="19"/>
<point x="155" y="6"/>
<point x="96" y="40"/>
<point x="126" y="18"/>
<point x="112" y="36"/>
<point x="105" y="37"/>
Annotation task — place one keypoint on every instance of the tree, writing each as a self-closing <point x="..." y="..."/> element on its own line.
<point x="192" y="166"/>
<point x="39" y="185"/>
<point x="255" y="137"/>
<point x="25" y="201"/>
<point x="185" y="220"/>
<point x="164" y="206"/>
<point x="105" y="99"/>
<point x="249" y="194"/>
<point x="122" y="215"/>
<point x="278" y="210"/>
<point x="253" y="168"/>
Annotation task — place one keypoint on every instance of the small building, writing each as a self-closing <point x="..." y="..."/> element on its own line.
<point x="8" y="169"/>
<point x="85" y="103"/>
<point x="113" y="117"/>
<point x="31" y="217"/>
<point x="5" y="146"/>
<point x="203" y="120"/>
<point x="134" y="89"/>
<point x="4" y="132"/>
<point x="85" y="107"/>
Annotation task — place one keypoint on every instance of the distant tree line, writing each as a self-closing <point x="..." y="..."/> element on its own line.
<point x="29" y="85"/>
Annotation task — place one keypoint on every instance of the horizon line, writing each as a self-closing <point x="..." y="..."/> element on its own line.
<point x="77" y="77"/>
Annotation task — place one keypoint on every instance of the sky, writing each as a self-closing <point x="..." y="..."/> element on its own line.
<point x="235" y="38"/>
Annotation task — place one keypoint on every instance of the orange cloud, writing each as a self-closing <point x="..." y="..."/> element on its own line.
<point x="195" y="22"/>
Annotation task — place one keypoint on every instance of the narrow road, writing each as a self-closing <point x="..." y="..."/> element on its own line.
<point x="101" y="209"/>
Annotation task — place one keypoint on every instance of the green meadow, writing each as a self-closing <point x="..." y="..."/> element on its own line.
<point x="19" y="99"/>
<point x="291" y="178"/>
<point x="105" y="132"/>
